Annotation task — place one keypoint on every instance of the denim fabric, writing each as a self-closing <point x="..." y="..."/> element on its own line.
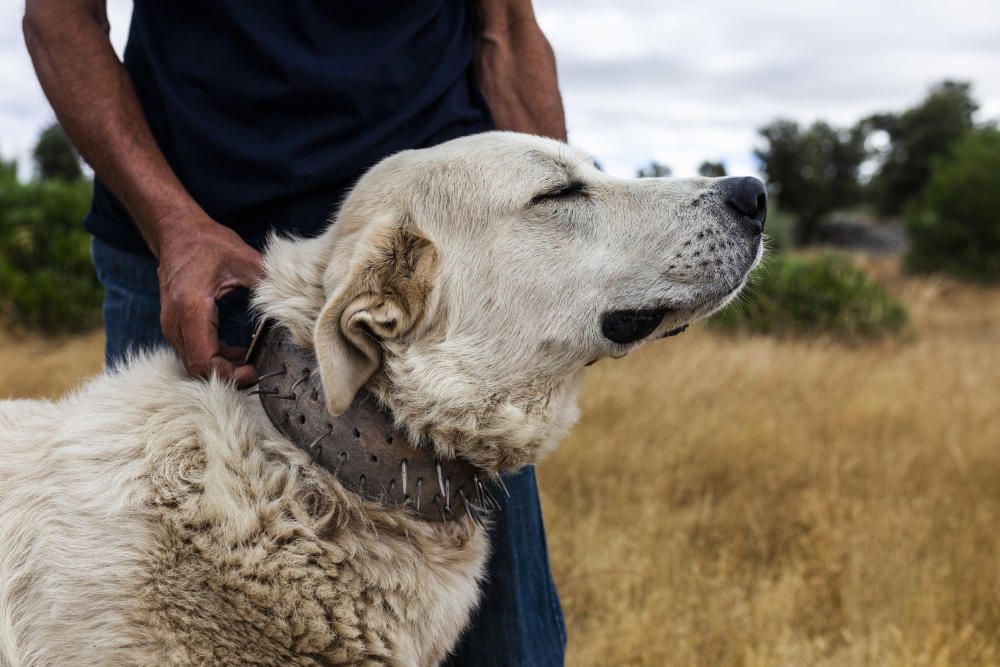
<point x="519" y="621"/>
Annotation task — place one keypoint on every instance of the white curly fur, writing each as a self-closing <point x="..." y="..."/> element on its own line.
<point x="149" y="518"/>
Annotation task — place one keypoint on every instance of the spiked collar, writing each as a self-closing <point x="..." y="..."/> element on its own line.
<point x="362" y="448"/>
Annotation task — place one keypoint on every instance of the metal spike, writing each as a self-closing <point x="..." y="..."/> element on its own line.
<point x="447" y="494"/>
<point x="499" y="480"/>
<point x="314" y="443"/>
<point x="479" y="490"/>
<point x="420" y="483"/>
<point x="402" y="468"/>
<point x="469" y="510"/>
<point x="340" y="462"/>
<point x="272" y="374"/>
<point x="482" y="510"/>
<point x="437" y="465"/>
<point x="492" y="500"/>
<point x="441" y="508"/>
<point x="305" y="376"/>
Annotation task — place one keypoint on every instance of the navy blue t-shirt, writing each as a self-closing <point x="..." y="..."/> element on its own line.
<point x="269" y="110"/>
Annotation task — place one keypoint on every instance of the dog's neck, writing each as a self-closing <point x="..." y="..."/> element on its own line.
<point x="362" y="448"/>
<point x="495" y="432"/>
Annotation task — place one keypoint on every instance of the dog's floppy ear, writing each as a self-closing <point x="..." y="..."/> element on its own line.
<point x="384" y="295"/>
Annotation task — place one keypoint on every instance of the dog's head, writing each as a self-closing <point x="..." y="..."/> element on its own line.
<point x="468" y="285"/>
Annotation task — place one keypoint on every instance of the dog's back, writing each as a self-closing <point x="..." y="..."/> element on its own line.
<point x="154" y="519"/>
<point x="71" y="528"/>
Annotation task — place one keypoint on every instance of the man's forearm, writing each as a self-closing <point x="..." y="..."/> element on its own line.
<point x="94" y="101"/>
<point x="517" y="70"/>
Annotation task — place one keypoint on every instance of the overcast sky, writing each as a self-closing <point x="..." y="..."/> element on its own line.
<point x="681" y="82"/>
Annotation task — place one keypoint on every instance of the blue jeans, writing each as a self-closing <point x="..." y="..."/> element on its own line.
<point x="519" y="621"/>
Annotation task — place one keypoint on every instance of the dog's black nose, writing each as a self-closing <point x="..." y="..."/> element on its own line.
<point x="746" y="196"/>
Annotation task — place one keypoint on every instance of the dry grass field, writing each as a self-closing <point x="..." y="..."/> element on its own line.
<point x="754" y="502"/>
<point x="759" y="502"/>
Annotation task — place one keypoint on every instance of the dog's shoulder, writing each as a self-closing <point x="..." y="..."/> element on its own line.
<point x="74" y="517"/>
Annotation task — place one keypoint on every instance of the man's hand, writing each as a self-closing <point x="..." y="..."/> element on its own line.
<point x="200" y="262"/>
<point x="92" y="95"/>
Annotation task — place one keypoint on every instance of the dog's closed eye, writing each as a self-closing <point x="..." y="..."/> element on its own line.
<point x="562" y="192"/>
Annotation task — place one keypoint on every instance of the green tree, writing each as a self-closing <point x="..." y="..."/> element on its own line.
<point x="8" y="172"/>
<point x="712" y="169"/>
<point x="811" y="172"/>
<point x="654" y="170"/>
<point x="55" y="157"/>
<point x="954" y="224"/>
<point x="47" y="281"/>
<point x="916" y="138"/>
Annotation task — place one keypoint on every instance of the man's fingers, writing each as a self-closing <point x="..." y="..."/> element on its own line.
<point x="244" y="376"/>
<point x="201" y="338"/>
<point x="221" y="367"/>
<point x="192" y="277"/>
<point x="256" y="269"/>
<point x="233" y="353"/>
<point x="199" y="329"/>
<point x="250" y="269"/>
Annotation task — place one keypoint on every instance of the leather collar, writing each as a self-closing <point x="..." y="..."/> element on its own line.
<point x="362" y="448"/>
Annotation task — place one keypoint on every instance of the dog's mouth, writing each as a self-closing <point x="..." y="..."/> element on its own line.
<point x="676" y="330"/>
<point x="628" y="326"/>
<point x="625" y="324"/>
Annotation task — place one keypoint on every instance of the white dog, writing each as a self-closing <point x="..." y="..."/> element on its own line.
<point x="154" y="519"/>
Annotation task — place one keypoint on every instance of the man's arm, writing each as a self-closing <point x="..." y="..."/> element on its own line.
<point x="199" y="259"/>
<point x="517" y="70"/>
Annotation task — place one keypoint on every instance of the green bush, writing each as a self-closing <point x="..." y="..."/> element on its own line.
<point x="780" y="227"/>
<point x="791" y="296"/>
<point x="47" y="281"/>
<point x="955" y="223"/>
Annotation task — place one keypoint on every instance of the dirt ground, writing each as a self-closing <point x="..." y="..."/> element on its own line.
<point x="759" y="502"/>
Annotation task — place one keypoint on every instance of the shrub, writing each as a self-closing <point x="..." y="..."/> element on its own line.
<point x="47" y="281"/>
<point x="780" y="227"/>
<point x="955" y="223"/>
<point x="792" y="296"/>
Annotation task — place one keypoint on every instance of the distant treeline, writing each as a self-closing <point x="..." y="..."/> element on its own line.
<point x="930" y="165"/>
<point x="47" y="282"/>
<point x="884" y="160"/>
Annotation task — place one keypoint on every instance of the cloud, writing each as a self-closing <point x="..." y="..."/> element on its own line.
<point x="685" y="82"/>
<point x="24" y="111"/>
